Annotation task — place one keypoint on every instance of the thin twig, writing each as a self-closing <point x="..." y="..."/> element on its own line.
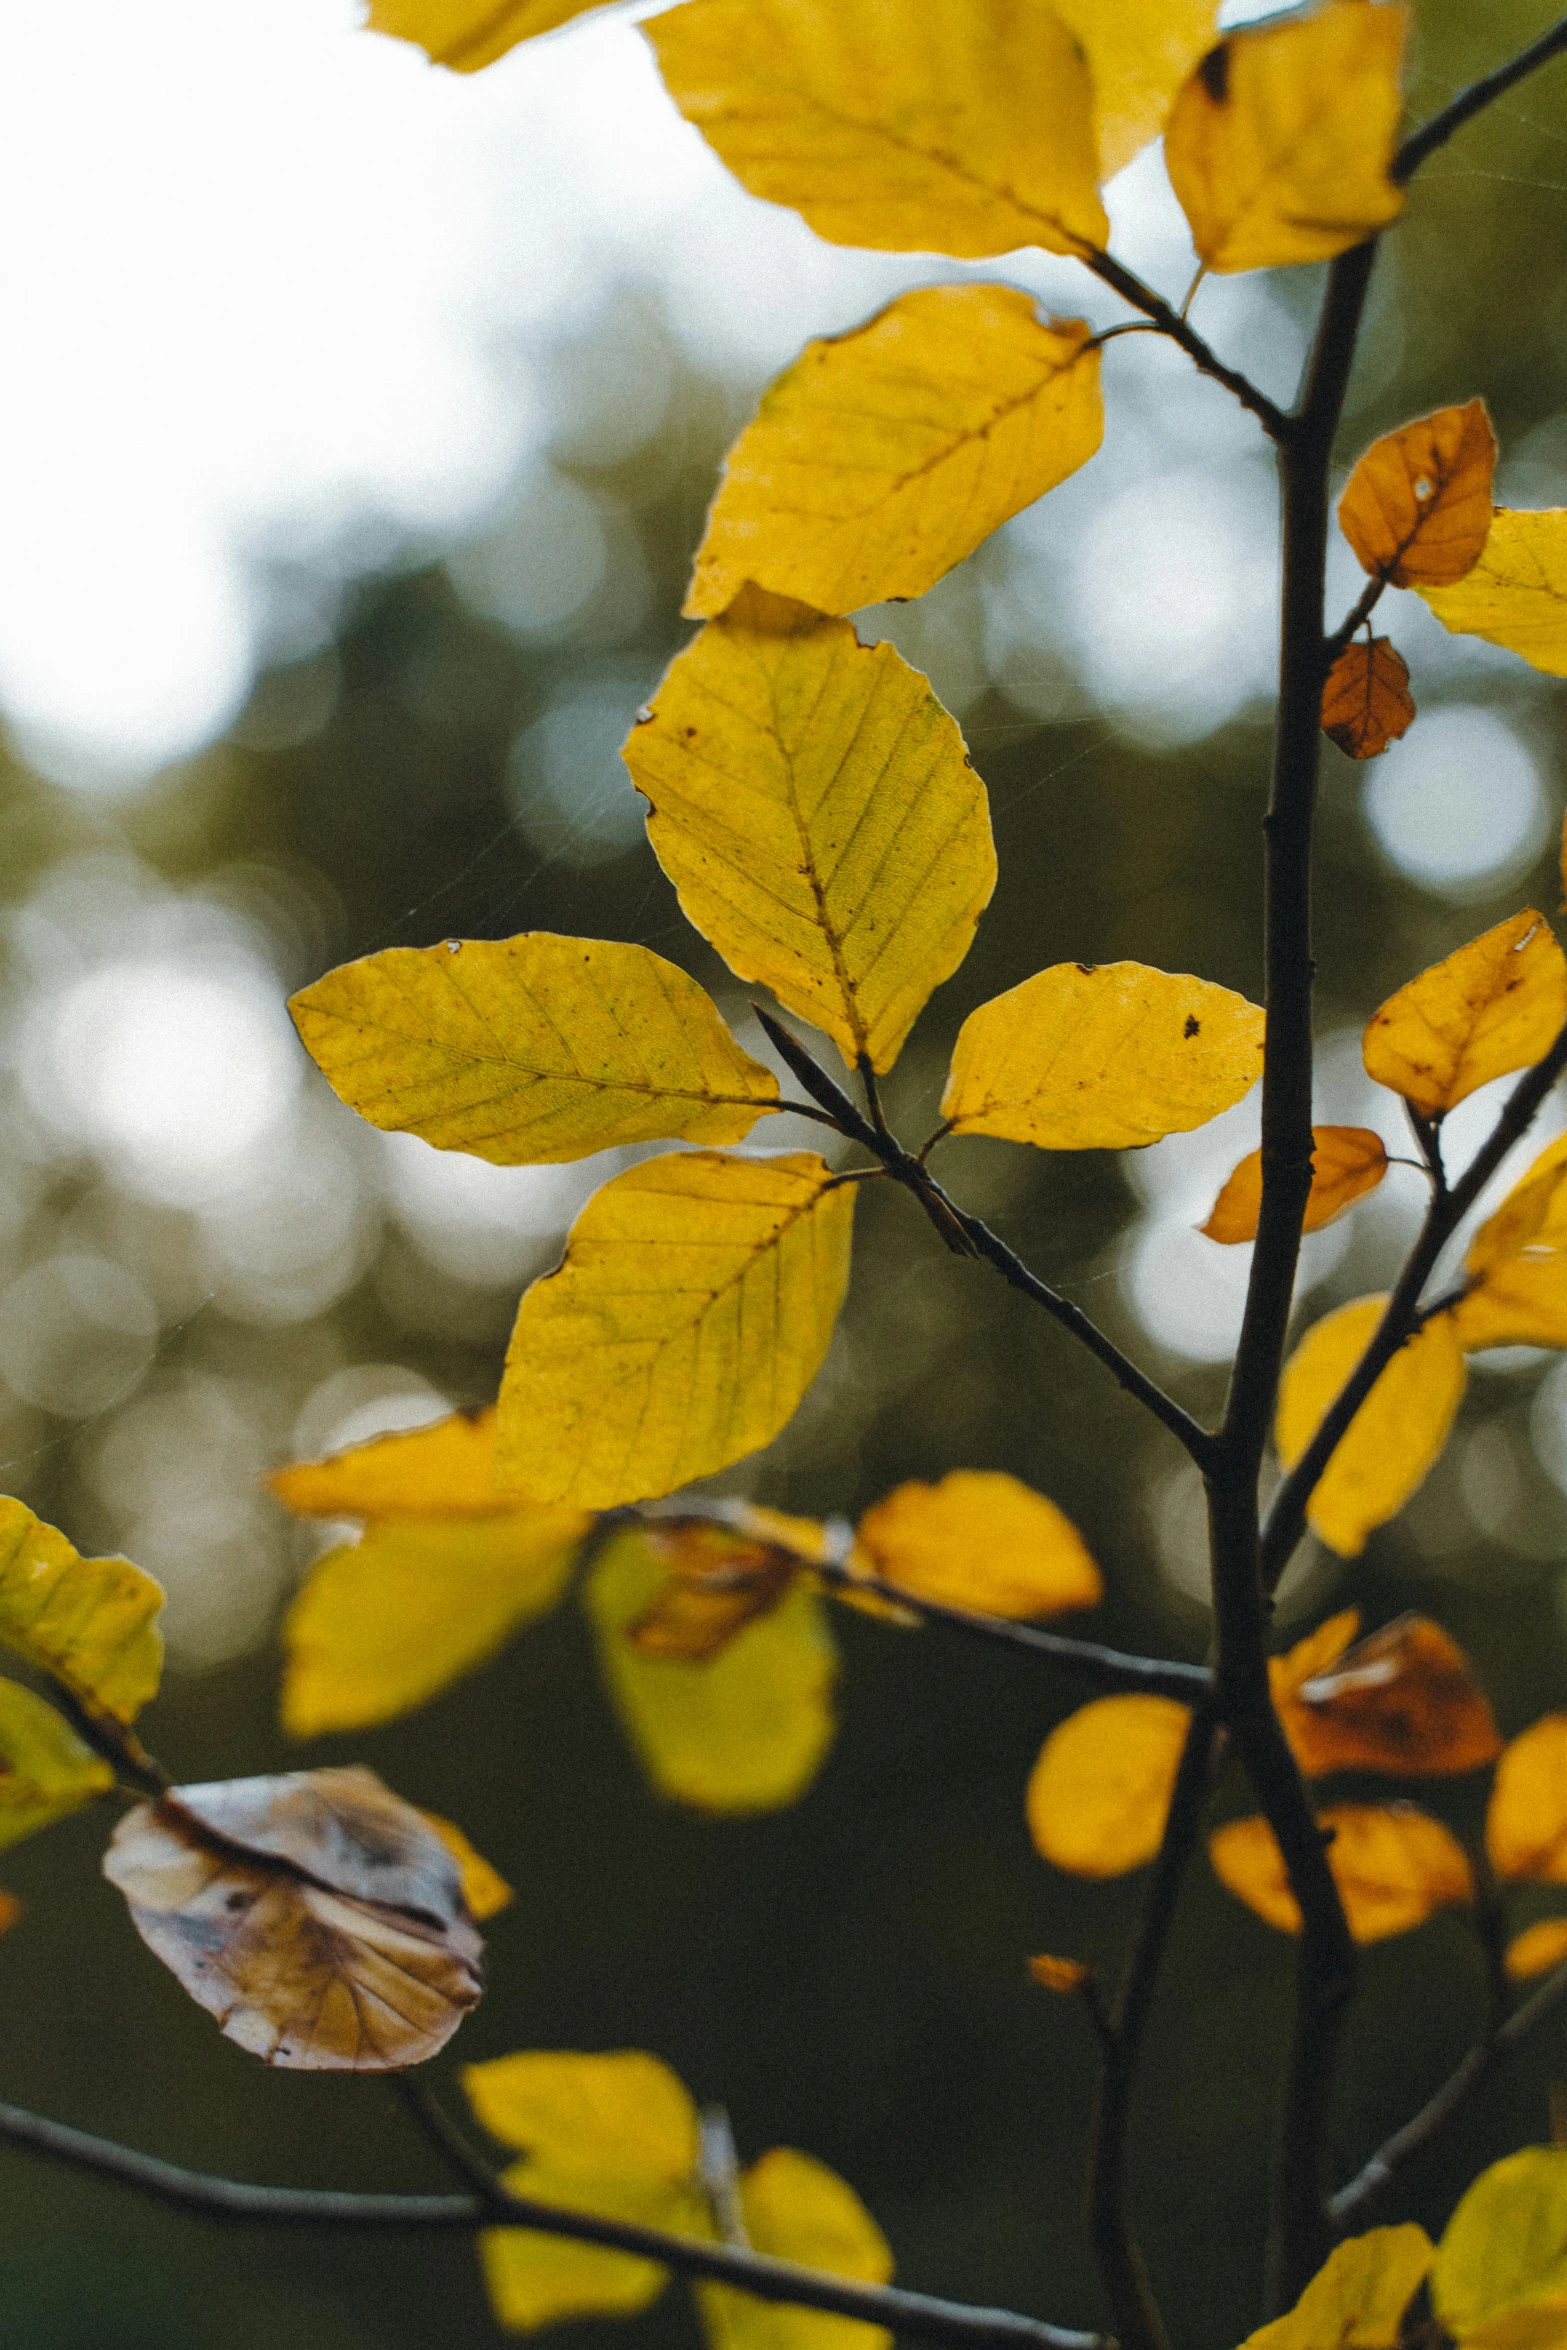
<point x="1370" y="597"/>
<point x="1470" y="102"/>
<point x="1172" y="323"/>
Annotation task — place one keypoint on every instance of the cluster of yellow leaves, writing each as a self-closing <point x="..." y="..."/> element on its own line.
<point x="1496" y="2281"/>
<point x="619" y="2136"/>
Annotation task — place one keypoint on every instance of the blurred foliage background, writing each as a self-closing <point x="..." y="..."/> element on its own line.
<point x="208" y="1266"/>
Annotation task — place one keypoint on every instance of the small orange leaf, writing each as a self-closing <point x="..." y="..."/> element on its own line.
<point x="1287" y="1674"/>
<point x="1394" y="1867"/>
<point x="980" y="1540"/>
<point x="1366" y="702"/>
<point x="1526" y="1826"/>
<point x="484" y="1889"/>
<point x="1099" y="1795"/>
<point x="1537" y="1950"/>
<point x="1417" y="508"/>
<point x="1347" y="1162"/>
<point x="1062" y="1975"/>
<point x="1494" y="1006"/>
<point x="1404" y="1700"/>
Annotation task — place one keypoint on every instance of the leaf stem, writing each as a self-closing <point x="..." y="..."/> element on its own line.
<point x="1370" y="597"/>
<point x="1173" y="323"/>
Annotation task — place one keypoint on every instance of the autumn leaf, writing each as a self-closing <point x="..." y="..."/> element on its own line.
<point x="1516" y="1266"/>
<point x="1280" y="144"/>
<point x="1139" y="53"/>
<point x="1393" y="1439"/>
<point x="1394" y="1867"/>
<point x="1347" y="1162"/>
<point x="746" y="1731"/>
<point x="318" y="1917"/>
<point x="1516" y="595"/>
<point x="445" y="1469"/>
<point x="467" y="34"/>
<point x="615" y="2134"/>
<point x="46" y="1772"/>
<point x="795" y="2208"/>
<point x="1102" y="1056"/>
<point x="1494" y="1006"/>
<point x="719" y="1580"/>
<point x="485" y="1891"/>
<point x="885" y="455"/>
<point x="1417" y="507"/>
<point x="1538" y="1950"/>
<point x="1099" y="1795"/>
<point x="1526" y="1825"/>
<point x="980" y="1540"/>
<point x="1366" y="702"/>
<point x="1357" y="2301"/>
<point x="813" y="805"/>
<point x="531" y="1050"/>
<point x="91" y="1623"/>
<point x="1405" y="1701"/>
<point x="1317" y="1653"/>
<point x="912" y="127"/>
<point x="1505" y="2247"/>
<point x="1063" y="1976"/>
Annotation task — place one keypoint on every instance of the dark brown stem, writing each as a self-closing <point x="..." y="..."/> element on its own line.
<point x="1173" y="323"/>
<point x="1370" y="597"/>
<point x="1470" y="102"/>
<point x="119" y="1745"/>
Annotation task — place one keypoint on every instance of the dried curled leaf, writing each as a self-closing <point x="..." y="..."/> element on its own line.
<point x="1280" y="144"/>
<point x="1394" y="1867"/>
<point x="467" y="34"/>
<point x="884" y="456"/>
<point x="693" y="1310"/>
<point x="980" y="1540"/>
<point x="1347" y="1162"/>
<point x="1358" y="2299"/>
<point x="1417" y="507"/>
<point x="720" y="1580"/>
<point x="1526" y="1825"/>
<point x="1538" y="1950"/>
<point x="1505" y="2250"/>
<point x="795" y="2208"/>
<point x="92" y="1623"/>
<point x="1104" y="1056"/>
<point x="1516" y="595"/>
<point x="1494" y="1006"/>
<point x="1366" y="702"/>
<point x="910" y="127"/>
<point x="1404" y="1700"/>
<point x="531" y="1050"/>
<point x="1394" y="1438"/>
<point x="1517" y="1264"/>
<point x="814" y="806"/>
<point x="1099" y="1795"/>
<point x="46" y="1772"/>
<point x="316" y="1915"/>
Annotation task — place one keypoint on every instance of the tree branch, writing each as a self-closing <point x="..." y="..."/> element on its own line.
<point x="1470" y="102"/>
<point x="1168" y="321"/>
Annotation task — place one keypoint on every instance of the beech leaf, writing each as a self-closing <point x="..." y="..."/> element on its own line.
<point x="46" y="1771"/>
<point x="720" y="1580"/>
<point x="531" y="1050"/>
<point x="1494" y="1006"/>
<point x="1102" y="1056"/>
<point x="1358" y="2299"/>
<point x="1517" y="1264"/>
<point x="318" y="1917"/>
<point x="980" y="1540"/>
<point x="1393" y="1439"/>
<point x="1526" y="1824"/>
<point x="1394" y="1867"/>
<point x="1538" y="1950"/>
<point x="445" y="1469"/>
<point x="92" y="1623"/>
<point x="1505" y="2247"/>
<point x="467" y="34"/>
<point x="1417" y="507"/>
<point x="813" y="805"/>
<point x="1099" y="1795"/>
<point x="1516" y="594"/>
<point x="885" y="455"/>
<point x="1404" y="1700"/>
<point x="1280" y="144"/>
<point x="912" y="127"/>
<point x="1347" y="1162"/>
<point x="746" y="1731"/>
<point x="1139" y="53"/>
<point x="1366" y="702"/>
<point x="795" y="2208"/>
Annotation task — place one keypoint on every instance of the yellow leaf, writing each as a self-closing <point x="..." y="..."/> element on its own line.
<point x="613" y="2134"/>
<point x="1102" y="1056"/>
<point x="1526" y="1826"/>
<point x="1139" y="53"/>
<point x="795" y="2208"/>
<point x="813" y="805"/>
<point x="1505" y="2247"/>
<point x="1396" y="1435"/>
<point x="912" y="127"/>
<point x="746" y="1731"/>
<point x="1537" y="2325"/>
<point x="1417" y="507"/>
<point x="1394" y="1867"/>
<point x="1405" y="1701"/>
<point x="1516" y="595"/>
<point x="1316" y="1653"/>
<point x="1357" y="2301"/>
<point x="1494" y="1006"/>
<point x="693" y="1310"/>
<point x="484" y="1889"/>
<point x="466" y="34"/>
<point x="1061" y="1975"/>
<point x="980" y="1540"/>
<point x="1517" y="1264"/>
<point x="1366" y="702"/>
<point x="1347" y="1162"/>
<point x="46" y="1771"/>
<point x="446" y="1470"/>
<point x="1279" y="145"/>
<point x="92" y="1623"/>
<point x="1099" y="1795"/>
<point x="384" y="1624"/>
<point x="531" y="1050"/>
<point x="1538" y="1950"/>
<point x="885" y="455"/>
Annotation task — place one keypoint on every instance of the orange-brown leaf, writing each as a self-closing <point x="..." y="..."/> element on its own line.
<point x="1417" y="508"/>
<point x="980" y="1540"/>
<point x="720" y="1580"/>
<point x="1061" y="1975"/>
<point x="1526" y="1826"/>
<point x="1287" y="1674"/>
<point x="1394" y="1867"/>
<point x="1099" y="1795"/>
<point x="1347" y="1162"/>
<point x="1366" y="702"/>
<point x="1537" y="1949"/>
<point x="1404" y="1700"/>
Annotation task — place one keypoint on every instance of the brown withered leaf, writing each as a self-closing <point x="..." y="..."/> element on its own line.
<point x="1394" y="1867"/>
<point x="1417" y="508"/>
<point x="316" y="1915"/>
<point x="1347" y="1162"/>
<point x="1366" y="702"/>
<point x="1403" y="1700"/>
<point x="721" y="1578"/>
